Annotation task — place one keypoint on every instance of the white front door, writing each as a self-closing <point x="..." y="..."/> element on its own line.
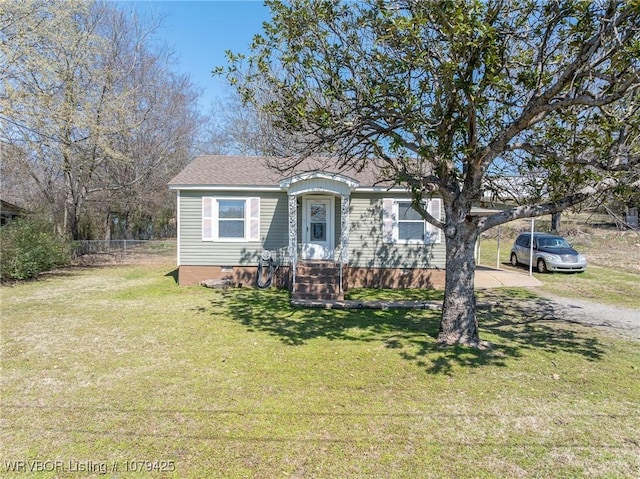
<point x="317" y="225"/>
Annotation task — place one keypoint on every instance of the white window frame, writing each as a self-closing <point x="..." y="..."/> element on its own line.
<point x="420" y="221"/>
<point x="211" y="220"/>
<point x="391" y="209"/>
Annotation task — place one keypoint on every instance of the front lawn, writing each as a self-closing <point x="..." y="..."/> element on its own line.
<point x="118" y="369"/>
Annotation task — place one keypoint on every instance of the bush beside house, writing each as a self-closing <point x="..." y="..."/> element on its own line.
<point x="28" y="246"/>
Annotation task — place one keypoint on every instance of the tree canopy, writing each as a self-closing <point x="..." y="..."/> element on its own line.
<point x="445" y="96"/>
<point x="91" y="117"/>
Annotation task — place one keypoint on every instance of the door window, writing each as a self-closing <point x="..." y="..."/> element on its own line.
<point x="318" y="221"/>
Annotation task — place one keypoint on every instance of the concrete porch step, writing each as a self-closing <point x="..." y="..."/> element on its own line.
<point x="317" y="280"/>
<point x="316" y="288"/>
<point x="315" y="270"/>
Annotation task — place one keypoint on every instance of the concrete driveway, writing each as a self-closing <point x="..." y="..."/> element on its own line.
<point x="495" y="278"/>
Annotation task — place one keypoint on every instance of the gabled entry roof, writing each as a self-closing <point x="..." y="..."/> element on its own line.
<point x="316" y="181"/>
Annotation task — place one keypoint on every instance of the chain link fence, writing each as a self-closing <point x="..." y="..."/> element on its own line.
<point x="124" y="247"/>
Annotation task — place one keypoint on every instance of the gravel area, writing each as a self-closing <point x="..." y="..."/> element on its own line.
<point x="620" y="321"/>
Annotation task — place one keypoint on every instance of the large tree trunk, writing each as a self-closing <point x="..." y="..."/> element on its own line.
<point x="71" y="221"/>
<point x="555" y="222"/>
<point x="459" y="324"/>
<point x="72" y="205"/>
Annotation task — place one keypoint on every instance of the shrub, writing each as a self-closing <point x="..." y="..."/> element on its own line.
<point x="28" y="247"/>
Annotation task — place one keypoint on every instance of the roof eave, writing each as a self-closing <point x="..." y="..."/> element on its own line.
<point x="192" y="187"/>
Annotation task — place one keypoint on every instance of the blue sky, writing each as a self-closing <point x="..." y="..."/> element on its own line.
<point x="199" y="32"/>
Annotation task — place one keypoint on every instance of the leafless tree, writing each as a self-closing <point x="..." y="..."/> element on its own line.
<point x="92" y="105"/>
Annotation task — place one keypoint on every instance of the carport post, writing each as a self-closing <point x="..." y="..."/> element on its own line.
<point x="533" y="222"/>
<point x="498" y="255"/>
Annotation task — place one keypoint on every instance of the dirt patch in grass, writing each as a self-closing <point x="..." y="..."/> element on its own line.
<point x="614" y="250"/>
<point x="120" y="258"/>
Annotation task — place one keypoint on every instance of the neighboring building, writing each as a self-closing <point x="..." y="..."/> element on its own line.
<point x="315" y="223"/>
<point x="9" y="211"/>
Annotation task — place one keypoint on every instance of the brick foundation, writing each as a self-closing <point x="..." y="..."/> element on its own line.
<point x="391" y="278"/>
<point x="236" y="275"/>
<point x="394" y="278"/>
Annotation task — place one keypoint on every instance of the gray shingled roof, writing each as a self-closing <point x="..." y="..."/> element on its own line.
<point x="253" y="171"/>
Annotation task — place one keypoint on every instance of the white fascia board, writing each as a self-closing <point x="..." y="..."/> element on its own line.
<point x="381" y="189"/>
<point x="243" y="188"/>
<point x="248" y="188"/>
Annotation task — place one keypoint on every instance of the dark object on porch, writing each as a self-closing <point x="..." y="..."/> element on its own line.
<point x="266" y="260"/>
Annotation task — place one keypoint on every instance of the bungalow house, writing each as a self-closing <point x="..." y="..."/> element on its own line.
<point x="316" y="230"/>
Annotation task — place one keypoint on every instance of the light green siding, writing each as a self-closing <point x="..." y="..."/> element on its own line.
<point x="194" y="251"/>
<point x="366" y="246"/>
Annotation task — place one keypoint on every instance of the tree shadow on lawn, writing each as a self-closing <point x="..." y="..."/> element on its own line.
<point x="533" y="322"/>
<point x="513" y="325"/>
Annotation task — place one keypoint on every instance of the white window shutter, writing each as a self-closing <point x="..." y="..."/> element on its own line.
<point x="389" y="221"/>
<point x="254" y="219"/>
<point x="434" y="234"/>
<point x="207" y="218"/>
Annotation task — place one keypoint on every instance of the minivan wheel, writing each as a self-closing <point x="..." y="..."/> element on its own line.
<point x="514" y="260"/>
<point x="542" y="266"/>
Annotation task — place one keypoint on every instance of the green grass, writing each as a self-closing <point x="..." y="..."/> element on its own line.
<point x="119" y="364"/>
<point x="371" y="294"/>
<point x="596" y="284"/>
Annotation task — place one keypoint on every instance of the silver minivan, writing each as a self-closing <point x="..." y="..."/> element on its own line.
<point x="550" y="253"/>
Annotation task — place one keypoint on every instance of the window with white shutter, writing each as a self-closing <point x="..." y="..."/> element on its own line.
<point x="207" y="219"/>
<point x="230" y="219"/>
<point x="402" y="224"/>
<point x="254" y="219"/>
<point x="433" y="233"/>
